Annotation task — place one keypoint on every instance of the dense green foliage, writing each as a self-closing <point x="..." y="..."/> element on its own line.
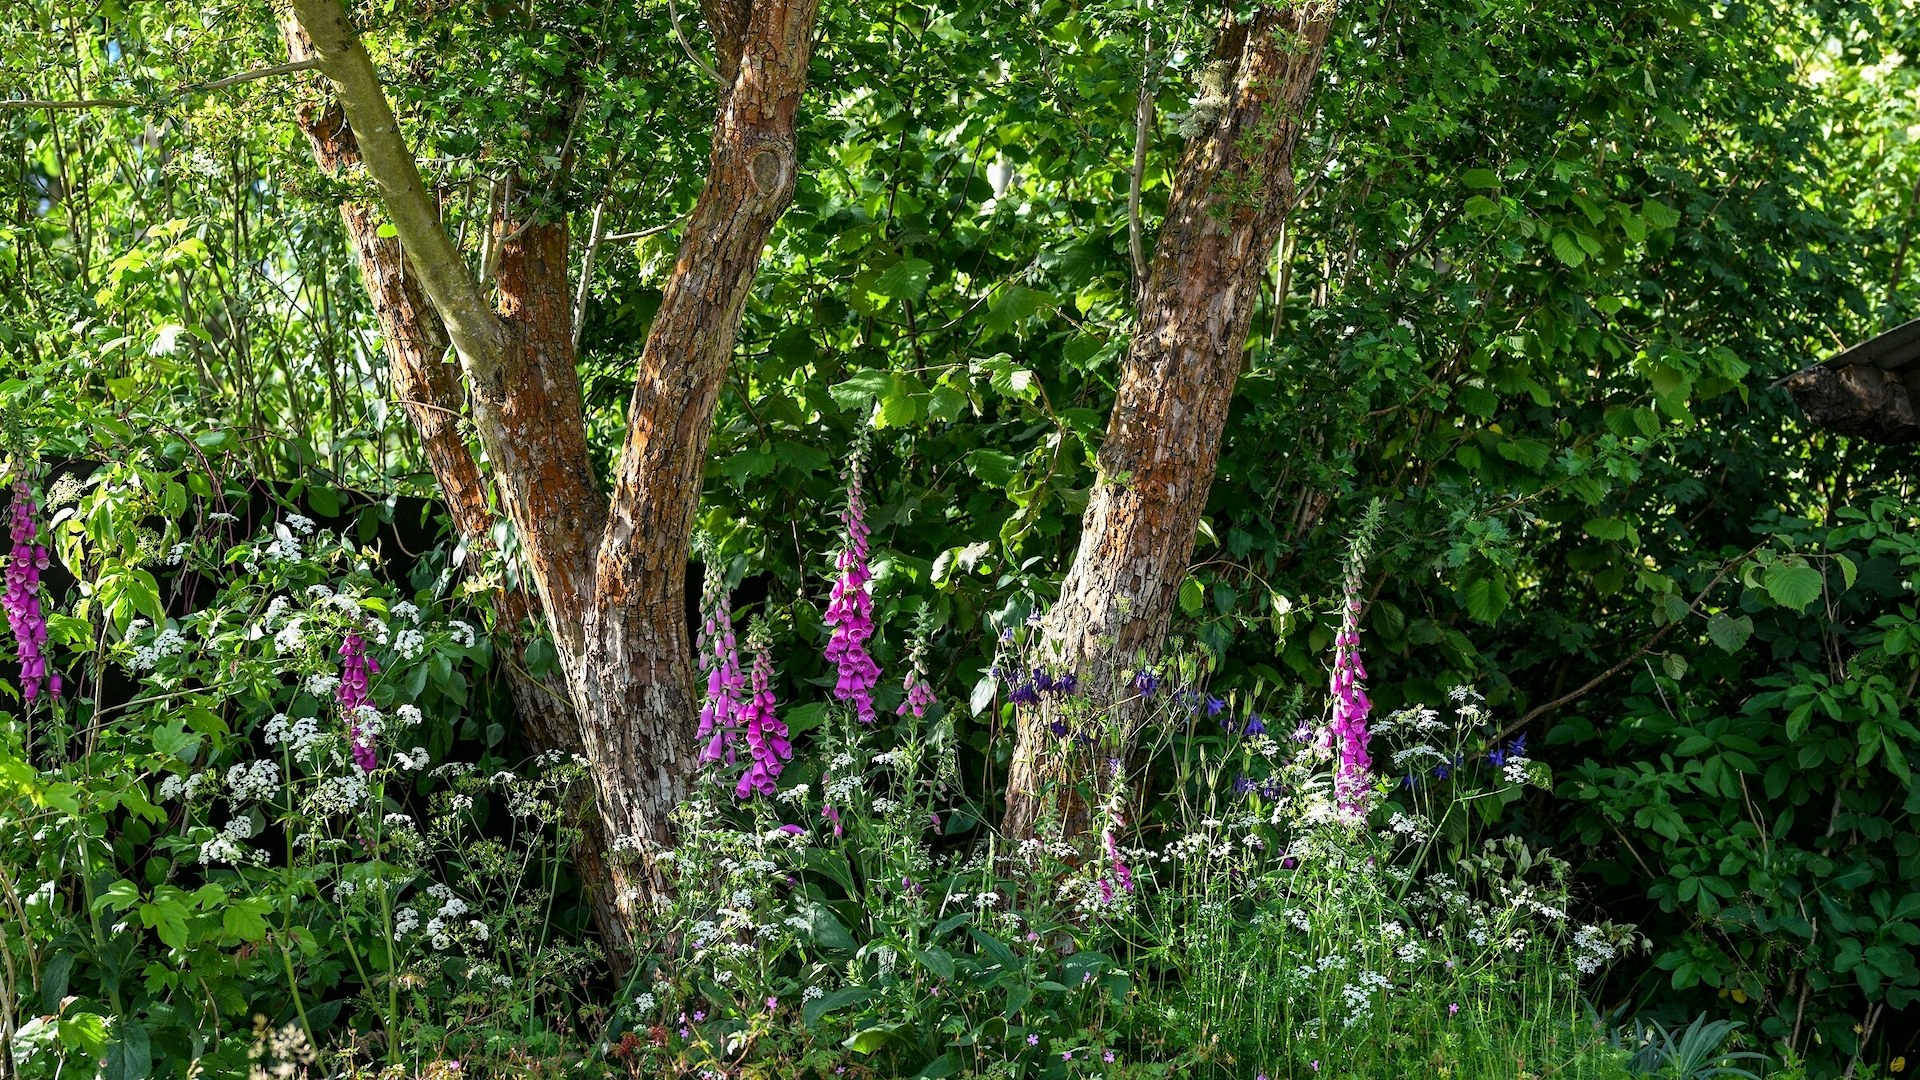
<point x="1551" y="257"/>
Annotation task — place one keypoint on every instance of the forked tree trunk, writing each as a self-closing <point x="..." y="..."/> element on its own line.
<point x="610" y="572"/>
<point x="1231" y="191"/>
<point x="429" y="389"/>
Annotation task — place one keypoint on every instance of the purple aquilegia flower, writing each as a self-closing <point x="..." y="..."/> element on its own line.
<point x="850" y="608"/>
<point x="767" y="741"/>
<point x="719" y="656"/>
<point x="26" y="558"/>
<point x="1347" y="735"/>
<point x="1145" y="682"/>
<point x="357" y="670"/>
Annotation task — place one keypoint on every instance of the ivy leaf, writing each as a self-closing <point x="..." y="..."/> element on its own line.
<point x="1794" y="586"/>
<point x="1730" y="633"/>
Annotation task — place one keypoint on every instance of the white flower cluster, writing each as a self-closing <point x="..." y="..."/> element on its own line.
<point x="412" y="760"/>
<point x="1592" y="948"/>
<point x="226" y="847"/>
<point x="339" y="794"/>
<point x="185" y="787"/>
<point x="300" y="735"/>
<point x="406" y="609"/>
<point x="410" y="643"/>
<point x="439" y="928"/>
<point x="168" y="642"/>
<point x="253" y="782"/>
<point x="322" y="686"/>
<point x="462" y="633"/>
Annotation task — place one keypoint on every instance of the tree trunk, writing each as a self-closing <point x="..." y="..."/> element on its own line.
<point x="429" y="389"/>
<point x="611" y="574"/>
<point x="635" y="682"/>
<point x="1231" y="191"/>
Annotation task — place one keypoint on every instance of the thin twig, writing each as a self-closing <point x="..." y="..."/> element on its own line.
<point x="134" y="103"/>
<point x="1646" y="647"/>
<point x="673" y="16"/>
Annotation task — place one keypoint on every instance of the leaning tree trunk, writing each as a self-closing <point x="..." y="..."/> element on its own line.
<point x="610" y="573"/>
<point x="634" y="680"/>
<point x="428" y="388"/>
<point x="1230" y="193"/>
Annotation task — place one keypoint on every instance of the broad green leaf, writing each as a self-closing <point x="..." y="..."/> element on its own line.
<point x="1568" y="250"/>
<point x="1730" y="633"/>
<point x="1193" y="595"/>
<point x="904" y="280"/>
<point x="1794" y="586"/>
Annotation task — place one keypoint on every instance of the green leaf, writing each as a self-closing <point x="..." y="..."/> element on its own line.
<point x="904" y="280"/>
<point x="1730" y="633"/>
<point x="386" y="230"/>
<point x="995" y="467"/>
<point x="936" y="960"/>
<point x="1482" y="179"/>
<point x="167" y="917"/>
<point x="1659" y="214"/>
<point x="119" y="896"/>
<point x="862" y="388"/>
<point x="1848" y="571"/>
<point x="1193" y="595"/>
<point x="1485" y="598"/>
<point x="129" y="1057"/>
<point x="1568" y="250"/>
<point x="867" y="1040"/>
<point x="824" y="927"/>
<point x="1675" y="665"/>
<point x="1794" y="586"/>
<point x="813" y="1010"/>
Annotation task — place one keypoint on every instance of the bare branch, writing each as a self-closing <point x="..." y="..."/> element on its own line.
<point x="172" y="95"/>
<point x="673" y="16"/>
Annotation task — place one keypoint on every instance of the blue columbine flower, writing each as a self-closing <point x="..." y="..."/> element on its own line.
<point x="1024" y="694"/>
<point x="1214" y="705"/>
<point x="1254" y="726"/>
<point x="1066" y="684"/>
<point x="1042" y="680"/>
<point x="1059" y="729"/>
<point x="1242" y="784"/>
<point x="1146" y="682"/>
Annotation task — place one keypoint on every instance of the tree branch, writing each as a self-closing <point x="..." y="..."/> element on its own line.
<point x="134" y="103"/>
<point x="443" y="274"/>
<point x="1645" y="648"/>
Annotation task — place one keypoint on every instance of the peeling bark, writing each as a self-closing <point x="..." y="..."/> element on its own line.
<point x="611" y="575"/>
<point x="1230" y="194"/>
<point x="429" y="390"/>
<point x="636" y="680"/>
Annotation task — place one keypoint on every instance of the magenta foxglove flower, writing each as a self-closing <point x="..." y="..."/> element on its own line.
<point x="919" y="690"/>
<point x="850" y="608"/>
<point x="767" y="743"/>
<point x="357" y="669"/>
<point x="1121" y="872"/>
<point x="720" y="661"/>
<point x="26" y="558"/>
<point x="1347" y="735"/>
